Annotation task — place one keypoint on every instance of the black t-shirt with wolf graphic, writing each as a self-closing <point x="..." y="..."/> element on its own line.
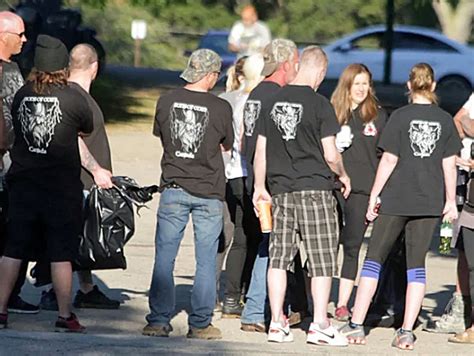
<point x="420" y="135"/>
<point x="255" y="113"/>
<point x="299" y="118"/>
<point x="45" y="154"/>
<point x="192" y="126"/>
<point x="12" y="81"/>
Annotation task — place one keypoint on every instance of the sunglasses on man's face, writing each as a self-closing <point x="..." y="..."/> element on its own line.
<point x="21" y="35"/>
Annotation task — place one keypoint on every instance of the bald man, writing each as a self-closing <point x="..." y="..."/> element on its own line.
<point x="249" y="35"/>
<point x="12" y="38"/>
<point x="96" y="168"/>
<point x="300" y="177"/>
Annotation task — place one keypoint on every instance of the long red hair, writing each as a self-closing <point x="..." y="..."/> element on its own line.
<point x="341" y="98"/>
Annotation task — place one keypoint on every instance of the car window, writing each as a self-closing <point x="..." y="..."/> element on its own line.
<point x="369" y="42"/>
<point x="218" y="43"/>
<point x="405" y="40"/>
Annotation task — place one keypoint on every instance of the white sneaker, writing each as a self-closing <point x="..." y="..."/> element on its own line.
<point x="329" y="336"/>
<point x="280" y="332"/>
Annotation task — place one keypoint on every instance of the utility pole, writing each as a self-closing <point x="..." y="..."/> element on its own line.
<point x="138" y="34"/>
<point x="388" y="40"/>
<point x="137" y="53"/>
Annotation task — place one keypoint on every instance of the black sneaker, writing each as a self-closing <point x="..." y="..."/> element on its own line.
<point x="95" y="299"/>
<point x="232" y="309"/>
<point x="16" y="305"/>
<point x="48" y="300"/>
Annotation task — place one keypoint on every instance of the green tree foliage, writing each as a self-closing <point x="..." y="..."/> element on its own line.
<point x="307" y="21"/>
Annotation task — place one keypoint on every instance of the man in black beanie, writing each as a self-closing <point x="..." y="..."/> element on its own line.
<point x="45" y="190"/>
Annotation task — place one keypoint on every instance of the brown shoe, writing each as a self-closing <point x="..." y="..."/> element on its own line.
<point x="254" y="327"/>
<point x="157" y="330"/>
<point x="208" y="333"/>
<point x="296" y="318"/>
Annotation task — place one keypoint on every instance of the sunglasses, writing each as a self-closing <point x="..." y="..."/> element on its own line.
<point x="21" y="35"/>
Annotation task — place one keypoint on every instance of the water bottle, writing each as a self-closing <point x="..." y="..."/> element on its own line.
<point x="446" y="234"/>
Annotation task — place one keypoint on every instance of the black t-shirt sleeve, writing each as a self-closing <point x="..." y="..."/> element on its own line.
<point x="86" y="117"/>
<point x="228" y="130"/>
<point x="453" y="144"/>
<point x="390" y="139"/>
<point x="156" y="124"/>
<point x="329" y="124"/>
<point x="261" y="125"/>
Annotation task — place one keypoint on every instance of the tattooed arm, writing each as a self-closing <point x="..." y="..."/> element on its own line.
<point x="102" y="177"/>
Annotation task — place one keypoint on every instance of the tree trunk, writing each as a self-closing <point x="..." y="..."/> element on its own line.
<point x="456" y="22"/>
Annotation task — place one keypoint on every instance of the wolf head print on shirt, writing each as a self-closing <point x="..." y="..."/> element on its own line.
<point x="423" y="137"/>
<point x="251" y="113"/>
<point x="188" y="125"/>
<point x="38" y="117"/>
<point x="286" y="117"/>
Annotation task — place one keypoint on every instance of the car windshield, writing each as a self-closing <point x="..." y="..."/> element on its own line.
<point x="216" y="42"/>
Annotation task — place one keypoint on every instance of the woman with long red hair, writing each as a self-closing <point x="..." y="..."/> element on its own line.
<point x="356" y="108"/>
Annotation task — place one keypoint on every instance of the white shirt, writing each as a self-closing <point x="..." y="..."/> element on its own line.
<point x="254" y="38"/>
<point x="234" y="162"/>
<point x="466" y="142"/>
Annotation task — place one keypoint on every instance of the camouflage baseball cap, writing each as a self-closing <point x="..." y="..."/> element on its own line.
<point x="201" y="62"/>
<point x="277" y="51"/>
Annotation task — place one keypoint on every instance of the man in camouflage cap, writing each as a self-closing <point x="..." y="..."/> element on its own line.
<point x="275" y="53"/>
<point x="201" y="62"/>
<point x="193" y="126"/>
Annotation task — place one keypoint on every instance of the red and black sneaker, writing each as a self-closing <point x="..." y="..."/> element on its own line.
<point x="3" y="321"/>
<point x="69" y="325"/>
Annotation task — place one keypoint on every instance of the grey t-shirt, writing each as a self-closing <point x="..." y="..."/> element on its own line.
<point x="421" y="136"/>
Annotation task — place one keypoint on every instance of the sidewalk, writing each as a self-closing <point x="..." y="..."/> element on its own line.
<point x="111" y="332"/>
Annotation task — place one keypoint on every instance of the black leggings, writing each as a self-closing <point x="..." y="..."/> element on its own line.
<point x="243" y="250"/>
<point x="387" y="229"/>
<point x="352" y="233"/>
<point x="468" y="241"/>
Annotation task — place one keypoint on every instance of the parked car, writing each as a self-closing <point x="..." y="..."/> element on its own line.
<point x="452" y="62"/>
<point x="217" y="41"/>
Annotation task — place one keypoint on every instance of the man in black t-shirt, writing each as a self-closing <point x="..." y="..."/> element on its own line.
<point x="96" y="168"/>
<point x="12" y="37"/>
<point x="280" y="65"/>
<point x="296" y="156"/>
<point x="45" y="190"/>
<point x="194" y="127"/>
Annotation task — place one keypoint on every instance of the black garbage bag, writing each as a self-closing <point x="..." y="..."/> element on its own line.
<point x="110" y="223"/>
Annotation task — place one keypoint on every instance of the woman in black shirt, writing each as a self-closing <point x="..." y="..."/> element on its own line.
<point x="356" y="108"/>
<point x="416" y="181"/>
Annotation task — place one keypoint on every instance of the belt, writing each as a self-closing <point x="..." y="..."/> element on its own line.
<point x="169" y="185"/>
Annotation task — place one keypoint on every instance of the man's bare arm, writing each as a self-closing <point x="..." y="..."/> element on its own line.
<point x="102" y="177"/>
<point x="458" y="123"/>
<point x="87" y="160"/>
<point x="334" y="160"/>
<point x="467" y="125"/>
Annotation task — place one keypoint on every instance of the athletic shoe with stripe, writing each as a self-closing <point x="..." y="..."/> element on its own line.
<point x="327" y="337"/>
<point x="280" y="332"/>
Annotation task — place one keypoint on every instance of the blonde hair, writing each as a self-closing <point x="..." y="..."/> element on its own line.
<point x="235" y="74"/>
<point x="252" y="71"/>
<point x="341" y="98"/>
<point x="421" y="81"/>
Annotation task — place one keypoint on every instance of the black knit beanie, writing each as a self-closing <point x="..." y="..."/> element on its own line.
<point x="51" y="54"/>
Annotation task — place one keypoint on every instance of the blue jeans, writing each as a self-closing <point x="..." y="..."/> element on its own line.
<point x="254" y="310"/>
<point x="173" y="215"/>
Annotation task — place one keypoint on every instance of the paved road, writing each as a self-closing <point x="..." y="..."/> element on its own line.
<point x="117" y="332"/>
